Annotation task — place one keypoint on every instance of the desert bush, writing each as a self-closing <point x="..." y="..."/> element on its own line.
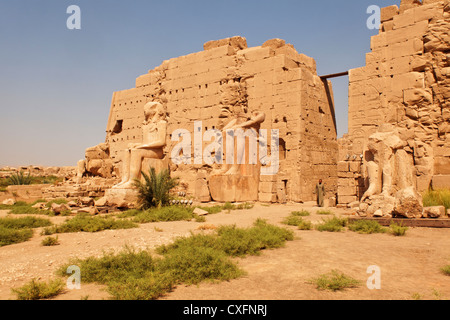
<point x="241" y="242"/>
<point x="303" y="213"/>
<point x="334" y="281"/>
<point x="244" y="206"/>
<point x="297" y="221"/>
<point x="398" y="230"/>
<point x="150" y="287"/>
<point x="21" y="207"/>
<point x="132" y="275"/>
<point x="114" y="266"/>
<point x="324" y="212"/>
<point x="12" y="236"/>
<point x="24" y="223"/>
<point x="440" y="197"/>
<point x="199" y="218"/>
<point x="366" y="227"/>
<point x="334" y="224"/>
<point x="155" y="190"/>
<point x="446" y="270"/>
<point x="35" y="290"/>
<point x="212" y="210"/>
<point x="46" y="180"/>
<point x="192" y="265"/>
<point x="164" y="214"/>
<point x="227" y="206"/>
<point x="50" y="241"/>
<point x="85" y="223"/>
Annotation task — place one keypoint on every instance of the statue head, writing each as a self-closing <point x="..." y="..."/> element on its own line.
<point x="154" y="109"/>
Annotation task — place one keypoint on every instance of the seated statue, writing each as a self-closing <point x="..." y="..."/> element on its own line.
<point x="240" y="121"/>
<point x="154" y="131"/>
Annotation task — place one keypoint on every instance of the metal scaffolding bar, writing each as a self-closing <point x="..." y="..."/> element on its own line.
<point x="335" y="75"/>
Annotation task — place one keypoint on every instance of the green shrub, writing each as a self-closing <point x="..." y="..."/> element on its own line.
<point x="366" y="227"/>
<point x="192" y="265"/>
<point x="297" y="221"/>
<point x="446" y="270"/>
<point x="228" y="206"/>
<point x="155" y="190"/>
<point x="111" y="267"/>
<point x="18" y="179"/>
<point x="334" y="224"/>
<point x="199" y="218"/>
<point x="50" y="241"/>
<point x="131" y="275"/>
<point x="440" y="197"/>
<point x="334" y="281"/>
<point x="323" y="212"/>
<point x="12" y="236"/>
<point x="36" y="290"/>
<point x="23" y="223"/>
<point x="85" y="223"/>
<point x="303" y="213"/>
<point x="21" y="207"/>
<point x="150" y="287"/>
<point x="398" y="230"/>
<point x="244" y="206"/>
<point x="212" y="210"/>
<point x="164" y="214"/>
<point x="46" y="180"/>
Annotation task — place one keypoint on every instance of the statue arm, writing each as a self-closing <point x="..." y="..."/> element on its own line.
<point x="259" y="118"/>
<point x="160" y="142"/>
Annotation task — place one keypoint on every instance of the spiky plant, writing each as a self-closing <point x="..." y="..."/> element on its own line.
<point x="19" y="179"/>
<point x="154" y="191"/>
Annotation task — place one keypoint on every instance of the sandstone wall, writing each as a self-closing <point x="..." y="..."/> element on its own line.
<point x="273" y="78"/>
<point x="406" y="82"/>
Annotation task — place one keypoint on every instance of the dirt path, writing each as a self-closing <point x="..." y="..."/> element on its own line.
<point x="409" y="265"/>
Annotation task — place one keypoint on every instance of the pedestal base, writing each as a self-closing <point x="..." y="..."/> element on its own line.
<point x="234" y="188"/>
<point x="122" y="198"/>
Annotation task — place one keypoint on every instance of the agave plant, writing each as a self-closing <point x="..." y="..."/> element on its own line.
<point x="154" y="191"/>
<point x="19" y="179"/>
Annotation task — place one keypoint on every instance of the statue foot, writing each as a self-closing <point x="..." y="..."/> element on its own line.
<point x="127" y="185"/>
<point x="117" y="186"/>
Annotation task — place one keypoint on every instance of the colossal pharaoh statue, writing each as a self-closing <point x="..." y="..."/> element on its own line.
<point x="154" y="131"/>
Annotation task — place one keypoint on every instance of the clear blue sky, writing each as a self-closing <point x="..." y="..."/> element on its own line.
<point x="56" y="84"/>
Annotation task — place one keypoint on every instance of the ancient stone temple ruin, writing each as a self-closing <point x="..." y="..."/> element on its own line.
<point x="398" y="141"/>
<point x="228" y="84"/>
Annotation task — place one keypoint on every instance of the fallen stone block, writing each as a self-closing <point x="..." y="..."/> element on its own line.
<point x="200" y="212"/>
<point x="433" y="212"/>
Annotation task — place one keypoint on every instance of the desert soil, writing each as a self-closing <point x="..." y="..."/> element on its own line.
<point x="410" y="265"/>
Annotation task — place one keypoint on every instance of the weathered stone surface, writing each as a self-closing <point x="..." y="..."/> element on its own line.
<point x="40" y="206"/>
<point x="404" y="83"/>
<point x="59" y="208"/>
<point x="9" y="202"/>
<point x="122" y="198"/>
<point x="408" y="203"/>
<point x="200" y="212"/>
<point x="434" y="212"/>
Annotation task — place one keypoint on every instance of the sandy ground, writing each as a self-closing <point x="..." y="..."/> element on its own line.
<point x="409" y="265"/>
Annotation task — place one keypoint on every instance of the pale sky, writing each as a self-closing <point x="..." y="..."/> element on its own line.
<point x="56" y="84"/>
